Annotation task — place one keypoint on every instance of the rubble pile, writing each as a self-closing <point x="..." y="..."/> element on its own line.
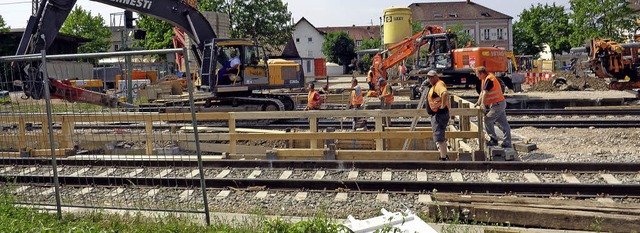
<point x="567" y="81"/>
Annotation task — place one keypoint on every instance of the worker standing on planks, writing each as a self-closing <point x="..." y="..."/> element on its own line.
<point x="356" y="100"/>
<point x="314" y="100"/>
<point x="492" y="102"/>
<point x="438" y="98"/>
<point x="386" y="97"/>
<point x="402" y="72"/>
<point x="370" y="79"/>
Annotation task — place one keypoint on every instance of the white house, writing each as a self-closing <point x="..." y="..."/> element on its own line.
<point x="308" y="39"/>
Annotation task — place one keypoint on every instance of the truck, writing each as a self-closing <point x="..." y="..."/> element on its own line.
<point x="255" y="72"/>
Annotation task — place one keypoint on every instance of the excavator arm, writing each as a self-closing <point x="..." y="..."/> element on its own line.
<point x="608" y="59"/>
<point x="43" y="27"/>
<point x="402" y="50"/>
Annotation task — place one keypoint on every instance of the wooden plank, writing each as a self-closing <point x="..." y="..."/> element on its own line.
<point x="445" y="197"/>
<point x="232" y="139"/>
<point x="62" y="152"/>
<point x="388" y="155"/>
<point x="222" y="147"/>
<point x="68" y="127"/>
<point x="148" y="127"/>
<point x="22" y="132"/>
<point x="538" y="217"/>
<point x="226" y="129"/>
<point x="352" y="135"/>
<point x="313" y="128"/>
<point x="378" y="129"/>
<point x="290" y="153"/>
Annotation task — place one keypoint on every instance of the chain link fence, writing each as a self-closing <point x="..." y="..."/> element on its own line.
<point x="60" y="108"/>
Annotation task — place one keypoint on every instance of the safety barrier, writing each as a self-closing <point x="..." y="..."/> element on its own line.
<point x="532" y="78"/>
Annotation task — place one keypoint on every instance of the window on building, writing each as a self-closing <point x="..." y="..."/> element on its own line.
<point x="453" y="15"/>
<point x="310" y="39"/>
<point x="437" y="15"/>
<point x="358" y="43"/>
<point x="485" y="34"/>
<point x="493" y="35"/>
<point x="485" y="14"/>
<point x="499" y="34"/>
<point x="297" y="40"/>
<point x="308" y="66"/>
<point x="116" y="47"/>
<point x="469" y="32"/>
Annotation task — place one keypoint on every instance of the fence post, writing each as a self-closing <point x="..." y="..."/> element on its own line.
<point x="148" y="128"/>
<point x="49" y="128"/>
<point x="313" y="127"/>
<point x="379" y="141"/>
<point x="480" y="132"/>
<point x="194" y="124"/>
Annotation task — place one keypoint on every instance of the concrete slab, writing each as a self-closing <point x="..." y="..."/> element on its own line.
<point x="319" y="175"/>
<point x="79" y="172"/>
<point x="223" y="194"/>
<point x="262" y="194"/>
<point x="184" y="195"/>
<point x="84" y="191"/>
<point x="570" y="178"/>
<point x="254" y="174"/>
<point x="193" y="173"/>
<point x="341" y="197"/>
<point x="421" y="176"/>
<point x="48" y="191"/>
<point x="153" y="192"/>
<point x="115" y="192"/>
<point x="610" y="179"/>
<point x="525" y="147"/>
<point x="531" y="178"/>
<point x="352" y="175"/>
<point x="108" y="172"/>
<point x="223" y="174"/>
<point x="424" y="199"/>
<point x="301" y="196"/>
<point x="285" y="175"/>
<point x="28" y="170"/>
<point x="21" y="189"/>
<point x="134" y="173"/>
<point x="163" y="173"/>
<point x="7" y="169"/>
<point x="493" y="177"/>
<point x="457" y="177"/>
<point x="382" y="198"/>
<point x="386" y="175"/>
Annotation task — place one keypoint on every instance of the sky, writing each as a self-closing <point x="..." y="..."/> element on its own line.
<point x="321" y="13"/>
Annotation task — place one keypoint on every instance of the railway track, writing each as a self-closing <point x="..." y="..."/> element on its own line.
<point x="507" y="178"/>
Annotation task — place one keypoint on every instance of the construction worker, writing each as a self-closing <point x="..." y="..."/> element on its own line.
<point x="370" y="79"/>
<point x="438" y="108"/>
<point x="492" y="102"/>
<point x="314" y="100"/>
<point x="356" y="100"/>
<point x="386" y="97"/>
<point x="402" y="72"/>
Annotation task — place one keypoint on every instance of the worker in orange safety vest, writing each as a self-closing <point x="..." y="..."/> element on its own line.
<point x="386" y="97"/>
<point x="492" y="102"/>
<point x="438" y="98"/>
<point x="314" y="100"/>
<point x="356" y="100"/>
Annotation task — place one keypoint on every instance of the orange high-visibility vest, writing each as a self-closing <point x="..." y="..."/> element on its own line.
<point x="356" y="97"/>
<point x="370" y="76"/>
<point x="389" y="98"/>
<point x="313" y="104"/>
<point x="435" y="102"/>
<point x="495" y="94"/>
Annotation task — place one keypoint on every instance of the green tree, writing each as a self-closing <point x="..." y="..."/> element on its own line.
<point x="462" y="37"/>
<point x="366" y="60"/>
<point x="339" y="47"/>
<point x="547" y="25"/>
<point x="3" y="25"/>
<point x="602" y="18"/>
<point x="266" y="20"/>
<point x="523" y="41"/>
<point x="159" y="33"/>
<point x="81" y="23"/>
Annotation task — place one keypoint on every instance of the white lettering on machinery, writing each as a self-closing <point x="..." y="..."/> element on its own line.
<point x="145" y="4"/>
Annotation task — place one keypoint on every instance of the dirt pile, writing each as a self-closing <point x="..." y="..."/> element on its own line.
<point x="567" y="81"/>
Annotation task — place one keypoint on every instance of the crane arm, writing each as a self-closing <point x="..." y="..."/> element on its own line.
<point x="402" y="50"/>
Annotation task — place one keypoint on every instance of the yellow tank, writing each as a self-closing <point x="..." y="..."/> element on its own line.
<point x="397" y="24"/>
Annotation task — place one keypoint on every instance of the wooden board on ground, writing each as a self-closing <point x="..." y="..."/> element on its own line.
<point x="223" y="147"/>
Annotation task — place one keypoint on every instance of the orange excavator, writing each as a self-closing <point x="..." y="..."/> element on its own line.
<point x="454" y="64"/>
<point x="611" y="60"/>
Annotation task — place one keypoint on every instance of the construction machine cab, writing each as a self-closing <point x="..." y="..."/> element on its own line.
<point x="252" y="71"/>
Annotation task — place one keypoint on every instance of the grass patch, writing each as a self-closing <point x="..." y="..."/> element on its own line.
<point x="19" y="219"/>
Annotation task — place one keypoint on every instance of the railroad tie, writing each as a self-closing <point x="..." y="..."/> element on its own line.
<point x="29" y="170"/>
<point x="532" y="178"/>
<point x="223" y="174"/>
<point x="115" y="192"/>
<point x="223" y="194"/>
<point x="254" y="174"/>
<point x="262" y="194"/>
<point x="300" y="196"/>
<point x="457" y="177"/>
<point x="108" y="172"/>
<point x="421" y="176"/>
<point x="610" y="179"/>
<point x="382" y="197"/>
<point x="605" y="200"/>
<point x="285" y="175"/>
<point x="21" y="189"/>
<point x="424" y="199"/>
<point x="163" y="173"/>
<point x="319" y="175"/>
<point x="80" y="172"/>
<point x="48" y="191"/>
<point x="386" y="176"/>
<point x="193" y="173"/>
<point x="341" y="197"/>
<point x="7" y="169"/>
<point x="152" y="192"/>
<point x="353" y="175"/>
<point x="493" y="177"/>
<point x="135" y="172"/>
<point x="570" y="178"/>
<point x="84" y="191"/>
<point x="59" y="169"/>
<point x="184" y="195"/>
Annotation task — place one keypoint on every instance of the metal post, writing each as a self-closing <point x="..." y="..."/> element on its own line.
<point x="47" y="95"/>
<point x="194" y="123"/>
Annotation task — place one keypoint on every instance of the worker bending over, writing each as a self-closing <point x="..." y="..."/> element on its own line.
<point x="492" y="102"/>
<point x="314" y="100"/>
<point x="438" y="98"/>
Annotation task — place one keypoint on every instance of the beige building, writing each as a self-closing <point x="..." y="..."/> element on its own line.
<point x="486" y="26"/>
